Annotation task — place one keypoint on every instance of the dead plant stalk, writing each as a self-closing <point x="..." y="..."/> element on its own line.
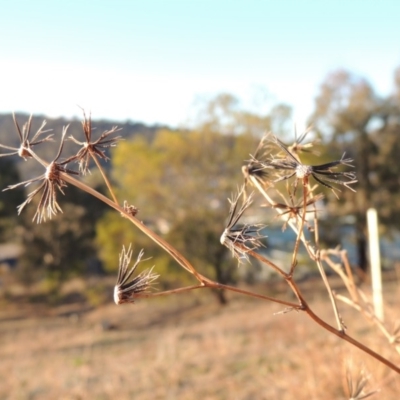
<point x="243" y="241"/>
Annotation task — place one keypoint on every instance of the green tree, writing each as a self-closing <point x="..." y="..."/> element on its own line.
<point x="350" y="116"/>
<point x="385" y="178"/>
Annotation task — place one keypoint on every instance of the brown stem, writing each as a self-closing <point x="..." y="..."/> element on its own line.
<point x="288" y="277"/>
<point x="182" y="261"/>
<point x="104" y="176"/>
<point x="314" y="254"/>
<point x="217" y="285"/>
<point x="341" y="334"/>
<point x="353" y="290"/>
<point x="259" y="187"/>
<point x="299" y="229"/>
<point x="338" y="332"/>
<point x="168" y="292"/>
<point x="261" y="258"/>
<point x="338" y="269"/>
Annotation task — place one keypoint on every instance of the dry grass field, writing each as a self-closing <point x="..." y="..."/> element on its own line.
<point x="186" y="347"/>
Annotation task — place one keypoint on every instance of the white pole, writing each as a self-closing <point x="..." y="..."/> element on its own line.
<point x="375" y="262"/>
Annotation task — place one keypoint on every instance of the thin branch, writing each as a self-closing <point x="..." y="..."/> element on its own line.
<point x="300" y="228"/>
<point x="104" y="176"/>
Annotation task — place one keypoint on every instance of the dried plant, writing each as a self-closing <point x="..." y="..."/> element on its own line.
<point x="325" y="174"/>
<point x="26" y="142"/>
<point x="51" y="182"/>
<point x="355" y="386"/>
<point x="295" y="210"/>
<point x="96" y="148"/>
<point x="273" y="162"/>
<point x="241" y="239"/>
<point x="127" y="289"/>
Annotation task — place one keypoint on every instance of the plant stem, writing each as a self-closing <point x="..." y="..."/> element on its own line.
<point x="107" y="182"/>
<point x="314" y="253"/>
<point x="341" y="334"/>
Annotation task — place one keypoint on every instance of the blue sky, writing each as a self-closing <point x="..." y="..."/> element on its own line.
<point x="152" y="60"/>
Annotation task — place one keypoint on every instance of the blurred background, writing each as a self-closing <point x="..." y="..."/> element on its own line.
<point x="194" y="86"/>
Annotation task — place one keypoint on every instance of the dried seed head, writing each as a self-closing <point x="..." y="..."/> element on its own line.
<point x="25" y="149"/>
<point x="356" y="386"/>
<point x="94" y="148"/>
<point x="298" y="146"/>
<point x="241" y="239"/>
<point x="324" y="174"/>
<point x="126" y="290"/>
<point x="303" y="171"/>
<point x="51" y="182"/>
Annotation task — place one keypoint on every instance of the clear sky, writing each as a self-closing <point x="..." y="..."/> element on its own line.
<point x="150" y="60"/>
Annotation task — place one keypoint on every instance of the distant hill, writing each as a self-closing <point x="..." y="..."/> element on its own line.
<point x="9" y="137"/>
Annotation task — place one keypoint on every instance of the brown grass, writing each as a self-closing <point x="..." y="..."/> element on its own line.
<point x="186" y="347"/>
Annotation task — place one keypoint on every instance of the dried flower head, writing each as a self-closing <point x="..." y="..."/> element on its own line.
<point x="24" y="150"/>
<point x="356" y="387"/>
<point x="51" y="182"/>
<point x="257" y="166"/>
<point x="95" y="148"/>
<point x="324" y="174"/>
<point x="257" y="169"/>
<point x="299" y="147"/>
<point x="126" y="290"/>
<point x="295" y="209"/>
<point x="130" y="209"/>
<point x="241" y="239"/>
